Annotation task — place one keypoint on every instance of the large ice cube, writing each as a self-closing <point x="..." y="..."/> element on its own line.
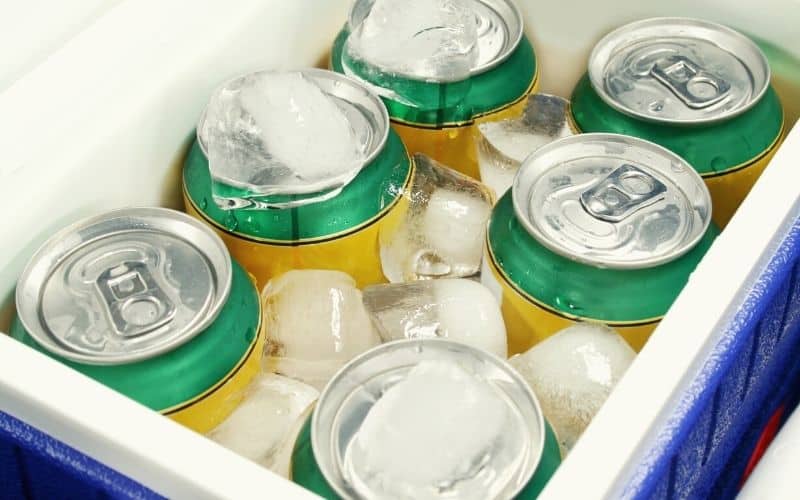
<point x="458" y="309"/>
<point x="504" y="144"/>
<point x="444" y="228"/>
<point x="315" y="323"/>
<point x="439" y="433"/>
<point x="272" y="132"/>
<point x="420" y="39"/>
<point x="572" y="374"/>
<point x="264" y="427"/>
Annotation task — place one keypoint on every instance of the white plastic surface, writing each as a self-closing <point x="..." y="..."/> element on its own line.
<point x="775" y="476"/>
<point x="103" y="122"/>
<point x="31" y="30"/>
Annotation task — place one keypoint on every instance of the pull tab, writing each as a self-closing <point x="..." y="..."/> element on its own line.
<point x="625" y="191"/>
<point x="691" y="83"/>
<point x="133" y="299"/>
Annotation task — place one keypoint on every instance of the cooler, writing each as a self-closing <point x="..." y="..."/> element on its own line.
<point x="96" y="112"/>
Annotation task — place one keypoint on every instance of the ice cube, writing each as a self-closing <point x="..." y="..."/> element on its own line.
<point x="458" y="309"/>
<point x="315" y="323"/>
<point x="444" y="228"/>
<point x="420" y="39"/>
<point x="264" y="427"/>
<point x="504" y="144"/>
<point x="572" y="374"/>
<point x="272" y="132"/>
<point x="439" y="433"/>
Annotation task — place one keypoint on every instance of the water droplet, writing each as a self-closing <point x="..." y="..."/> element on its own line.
<point x="656" y="106"/>
<point x="231" y="223"/>
<point x="428" y="264"/>
<point x="676" y="167"/>
<point x="203" y="203"/>
<point x="718" y="164"/>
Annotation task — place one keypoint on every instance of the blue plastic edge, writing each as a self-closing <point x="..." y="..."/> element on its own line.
<point x="36" y="465"/>
<point x="702" y="447"/>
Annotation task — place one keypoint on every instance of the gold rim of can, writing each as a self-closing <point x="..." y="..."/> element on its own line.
<point x="307" y="241"/>
<point x="708" y="175"/>
<point x="541" y="305"/>
<point x="530" y="89"/>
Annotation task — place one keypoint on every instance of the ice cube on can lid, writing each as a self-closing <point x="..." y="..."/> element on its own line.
<point x="348" y="398"/>
<point x="678" y="71"/>
<point x="237" y="122"/>
<point x="499" y="29"/>
<point x="124" y="286"/>
<point x="611" y="201"/>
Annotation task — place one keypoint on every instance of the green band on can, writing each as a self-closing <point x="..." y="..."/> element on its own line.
<point x="372" y="193"/>
<point x="580" y="291"/>
<point x="453" y="103"/>
<point x="307" y="474"/>
<point x="713" y="149"/>
<point x="178" y="376"/>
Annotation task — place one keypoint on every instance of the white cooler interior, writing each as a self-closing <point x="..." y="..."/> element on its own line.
<point x="103" y="121"/>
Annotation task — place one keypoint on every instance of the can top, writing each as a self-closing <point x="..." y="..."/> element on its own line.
<point x="611" y="201"/>
<point x="347" y="400"/>
<point x="124" y="286"/>
<point x="258" y="139"/>
<point x="678" y="71"/>
<point x="499" y="31"/>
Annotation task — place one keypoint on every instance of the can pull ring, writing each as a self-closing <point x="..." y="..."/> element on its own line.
<point x="690" y="82"/>
<point x="624" y="191"/>
<point x="133" y="299"/>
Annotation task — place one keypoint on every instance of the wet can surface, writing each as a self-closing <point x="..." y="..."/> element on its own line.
<point x="336" y="227"/>
<point x="597" y="227"/>
<point x="697" y="88"/>
<point x="438" y="117"/>
<point x="148" y="302"/>
<point x="319" y="462"/>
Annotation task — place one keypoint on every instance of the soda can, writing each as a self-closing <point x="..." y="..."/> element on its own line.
<point x="438" y="117"/>
<point x="697" y="88"/>
<point x="146" y="301"/>
<point x="318" y="460"/>
<point x="597" y="227"/>
<point x="333" y="228"/>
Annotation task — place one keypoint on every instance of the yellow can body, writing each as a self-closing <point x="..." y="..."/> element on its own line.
<point x="528" y="322"/>
<point x="208" y="410"/>
<point x="356" y="252"/>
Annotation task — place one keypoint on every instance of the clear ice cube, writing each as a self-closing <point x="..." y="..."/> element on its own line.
<point x="572" y="374"/>
<point x="273" y="133"/>
<point x="315" y="323"/>
<point x="443" y="232"/>
<point x="420" y="39"/>
<point x="458" y="309"/>
<point x="504" y="144"/>
<point x="264" y="427"/>
<point x="439" y="433"/>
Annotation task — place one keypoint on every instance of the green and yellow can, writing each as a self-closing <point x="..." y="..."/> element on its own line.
<point x="319" y="466"/>
<point x="147" y="302"/>
<point x="437" y="116"/>
<point x="697" y="88"/>
<point x="597" y="227"/>
<point x="336" y="228"/>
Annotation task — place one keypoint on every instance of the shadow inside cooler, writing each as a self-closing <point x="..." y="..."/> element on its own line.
<point x="340" y="248"/>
